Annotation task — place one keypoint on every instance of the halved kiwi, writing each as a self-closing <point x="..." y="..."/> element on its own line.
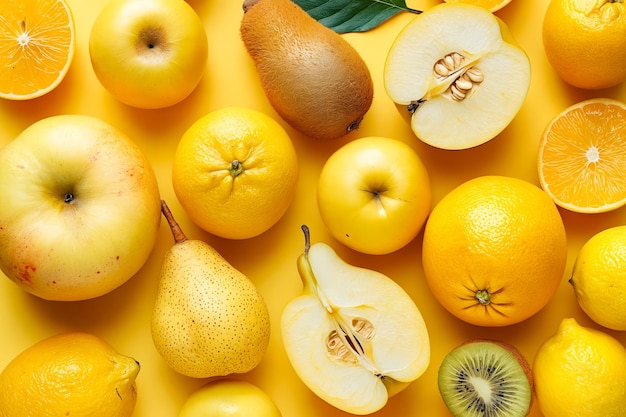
<point x="484" y="378"/>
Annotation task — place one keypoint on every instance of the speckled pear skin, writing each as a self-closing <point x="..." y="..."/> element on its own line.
<point x="209" y="319"/>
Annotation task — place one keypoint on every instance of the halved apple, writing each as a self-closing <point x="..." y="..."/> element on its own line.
<point x="457" y="69"/>
<point x="354" y="336"/>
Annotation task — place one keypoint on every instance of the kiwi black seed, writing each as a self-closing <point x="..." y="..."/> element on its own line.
<point x="484" y="378"/>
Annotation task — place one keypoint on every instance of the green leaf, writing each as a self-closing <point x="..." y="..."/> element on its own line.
<point x="344" y="16"/>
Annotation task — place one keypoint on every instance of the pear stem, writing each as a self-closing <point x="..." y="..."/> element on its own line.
<point x="307" y="238"/>
<point x="177" y="232"/>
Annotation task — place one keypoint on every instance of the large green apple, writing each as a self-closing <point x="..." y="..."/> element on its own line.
<point x="148" y="53"/>
<point x="229" y="398"/>
<point x="374" y="195"/>
<point x="80" y="208"/>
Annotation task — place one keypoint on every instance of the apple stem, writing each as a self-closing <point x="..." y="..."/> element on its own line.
<point x="307" y="238"/>
<point x="177" y="232"/>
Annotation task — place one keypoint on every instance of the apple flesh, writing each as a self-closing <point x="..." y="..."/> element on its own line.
<point x="80" y="208"/>
<point x="148" y="53"/>
<point x="456" y="70"/>
<point x="354" y="336"/>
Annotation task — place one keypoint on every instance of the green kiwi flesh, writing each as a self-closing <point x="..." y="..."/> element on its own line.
<point x="486" y="379"/>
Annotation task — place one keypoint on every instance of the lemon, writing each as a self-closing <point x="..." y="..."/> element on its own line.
<point x="235" y="172"/>
<point x="71" y="374"/>
<point x="580" y="372"/>
<point x="599" y="278"/>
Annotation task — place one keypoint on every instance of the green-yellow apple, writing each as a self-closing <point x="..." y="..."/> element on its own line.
<point x="374" y="194"/>
<point x="229" y="398"/>
<point x="148" y="53"/>
<point x="80" y="208"/>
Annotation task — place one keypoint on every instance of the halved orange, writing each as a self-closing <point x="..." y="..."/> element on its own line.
<point x="582" y="156"/>
<point x="37" y="42"/>
<point x="491" y="5"/>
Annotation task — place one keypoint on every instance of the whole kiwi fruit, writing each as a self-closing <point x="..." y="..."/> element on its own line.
<point x="313" y="78"/>
<point x="486" y="378"/>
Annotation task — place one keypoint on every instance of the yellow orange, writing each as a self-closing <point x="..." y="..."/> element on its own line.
<point x="494" y="250"/>
<point x="582" y="156"/>
<point x="491" y="5"/>
<point x="235" y="172"/>
<point x="585" y="41"/>
<point x="70" y="374"/>
<point x="37" y="42"/>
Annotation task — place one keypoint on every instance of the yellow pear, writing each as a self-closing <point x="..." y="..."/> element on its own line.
<point x="209" y="319"/>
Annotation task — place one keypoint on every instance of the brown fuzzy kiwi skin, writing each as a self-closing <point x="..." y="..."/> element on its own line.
<point x="520" y="358"/>
<point x="314" y="79"/>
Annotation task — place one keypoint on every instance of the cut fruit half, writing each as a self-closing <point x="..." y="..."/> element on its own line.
<point x="582" y="156"/>
<point x="486" y="378"/>
<point x="456" y="70"/>
<point x="37" y="42"/>
<point x="353" y="336"/>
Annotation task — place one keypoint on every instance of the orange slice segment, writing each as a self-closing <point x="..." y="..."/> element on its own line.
<point x="37" y="44"/>
<point x="582" y="156"/>
<point x="491" y="5"/>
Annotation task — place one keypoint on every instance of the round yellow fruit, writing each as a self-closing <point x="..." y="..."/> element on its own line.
<point x="235" y="172"/>
<point x="599" y="278"/>
<point x="580" y="372"/>
<point x="71" y="374"/>
<point x="229" y="398"/>
<point x="585" y="41"/>
<point x="494" y="250"/>
<point x="148" y="53"/>
<point x="80" y="208"/>
<point x="491" y="5"/>
<point x="374" y="194"/>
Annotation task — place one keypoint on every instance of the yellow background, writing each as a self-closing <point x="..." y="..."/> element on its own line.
<point x="123" y="316"/>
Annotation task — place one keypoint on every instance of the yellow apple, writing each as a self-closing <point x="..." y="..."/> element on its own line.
<point x="374" y="195"/>
<point x="80" y="208"/>
<point x="229" y="398"/>
<point x="148" y="53"/>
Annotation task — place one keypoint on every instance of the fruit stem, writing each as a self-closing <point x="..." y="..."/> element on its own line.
<point x="235" y="168"/>
<point x="307" y="238"/>
<point x="177" y="232"/>
<point x="483" y="297"/>
<point x="345" y="332"/>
